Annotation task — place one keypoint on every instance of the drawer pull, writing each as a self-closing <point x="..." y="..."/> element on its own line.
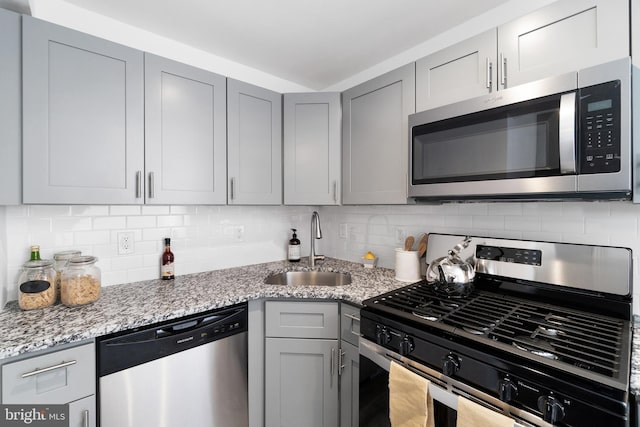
<point x="85" y="418"/>
<point x="50" y="368"/>
<point x="352" y="317"/>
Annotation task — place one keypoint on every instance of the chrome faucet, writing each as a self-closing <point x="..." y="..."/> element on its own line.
<point x="316" y="233"/>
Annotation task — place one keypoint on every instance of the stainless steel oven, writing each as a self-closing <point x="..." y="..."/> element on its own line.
<point x="544" y="338"/>
<point x="564" y="137"/>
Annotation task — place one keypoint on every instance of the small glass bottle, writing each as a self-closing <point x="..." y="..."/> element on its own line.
<point x="167" y="270"/>
<point x="81" y="281"/>
<point x="35" y="253"/>
<point x="36" y="284"/>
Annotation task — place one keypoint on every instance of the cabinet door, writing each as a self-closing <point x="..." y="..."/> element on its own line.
<point x="83" y="117"/>
<point x="565" y="36"/>
<point x="375" y="138"/>
<point x="82" y="413"/>
<point x="458" y="72"/>
<point x="349" y="384"/>
<point x="10" y="108"/>
<point x="185" y="134"/>
<point x="254" y="140"/>
<point x="58" y="377"/>
<point x="311" y="148"/>
<point x="301" y="382"/>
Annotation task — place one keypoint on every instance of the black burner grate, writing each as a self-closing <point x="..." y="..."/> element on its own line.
<point x="584" y="340"/>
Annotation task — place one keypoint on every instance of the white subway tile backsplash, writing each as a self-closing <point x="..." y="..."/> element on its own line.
<point x="109" y="223"/>
<point x="125" y="210"/>
<point x="203" y="237"/>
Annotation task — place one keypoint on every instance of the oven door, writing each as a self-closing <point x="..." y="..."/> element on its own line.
<point x="375" y="362"/>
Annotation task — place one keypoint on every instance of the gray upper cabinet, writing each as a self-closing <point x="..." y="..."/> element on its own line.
<point x="374" y="137"/>
<point x="83" y="136"/>
<point x="254" y="143"/>
<point x="565" y="36"/>
<point x="458" y="72"/>
<point x="10" y="108"/>
<point x="185" y="134"/>
<point x="312" y="148"/>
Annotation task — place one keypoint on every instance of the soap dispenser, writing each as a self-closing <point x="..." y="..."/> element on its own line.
<point x="294" y="248"/>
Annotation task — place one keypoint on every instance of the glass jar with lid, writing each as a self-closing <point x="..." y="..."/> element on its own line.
<point x="60" y="263"/>
<point x="36" y="284"/>
<point x="81" y="281"/>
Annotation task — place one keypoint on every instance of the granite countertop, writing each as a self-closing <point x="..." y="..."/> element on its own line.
<point x="131" y="305"/>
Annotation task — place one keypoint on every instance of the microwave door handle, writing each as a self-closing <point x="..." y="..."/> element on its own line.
<point x="567" y="137"/>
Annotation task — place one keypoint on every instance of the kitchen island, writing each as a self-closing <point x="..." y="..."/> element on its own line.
<point x="137" y="304"/>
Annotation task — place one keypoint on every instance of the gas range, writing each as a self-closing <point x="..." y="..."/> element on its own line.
<point x="546" y="332"/>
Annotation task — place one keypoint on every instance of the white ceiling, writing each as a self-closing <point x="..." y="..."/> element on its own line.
<point x="315" y="43"/>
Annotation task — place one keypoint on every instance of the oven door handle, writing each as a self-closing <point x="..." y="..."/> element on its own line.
<point x="378" y="355"/>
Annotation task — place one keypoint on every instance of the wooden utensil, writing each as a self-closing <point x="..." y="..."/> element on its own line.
<point x="408" y="243"/>
<point x="422" y="248"/>
<point x="422" y="245"/>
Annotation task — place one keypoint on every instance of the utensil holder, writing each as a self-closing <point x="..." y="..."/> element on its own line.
<point x="407" y="266"/>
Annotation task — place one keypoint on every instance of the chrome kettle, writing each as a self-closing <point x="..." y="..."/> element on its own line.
<point x="451" y="275"/>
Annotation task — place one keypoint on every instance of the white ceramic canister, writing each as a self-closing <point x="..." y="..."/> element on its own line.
<point x="407" y="266"/>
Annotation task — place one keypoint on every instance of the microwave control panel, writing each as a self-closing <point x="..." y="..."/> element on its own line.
<point x="599" y="127"/>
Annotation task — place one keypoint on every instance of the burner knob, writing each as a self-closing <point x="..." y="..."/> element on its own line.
<point x="507" y="390"/>
<point x="382" y="335"/>
<point x="551" y="408"/>
<point x="406" y="345"/>
<point x="450" y="365"/>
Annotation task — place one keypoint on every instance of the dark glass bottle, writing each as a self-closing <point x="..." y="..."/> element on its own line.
<point x="167" y="271"/>
<point x="35" y="253"/>
<point x="293" y="253"/>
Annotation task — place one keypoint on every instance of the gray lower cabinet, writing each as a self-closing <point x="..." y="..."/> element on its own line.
<point x="83" y="111"/>
<point x="374" y="138"/>
<point x="301" y="363"/>
<point x="458" y="72"/>
<point x="185" y="134"/>
<point x="64" y="376"/>
<point x="254" y="141"/>
<point x="312" y="148"/>
<point x="349" y="365"/>
<point x="349" y="384"/>
<point x="10" y="108"/>
<point x="301" y="382"/>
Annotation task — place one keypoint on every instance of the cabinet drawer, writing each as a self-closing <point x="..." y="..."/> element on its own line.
<point x="301" y="319"/>
<point x="57" y="378"/>
<point x="350" y="324"/>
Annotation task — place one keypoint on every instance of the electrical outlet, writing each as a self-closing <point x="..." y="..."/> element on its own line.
<point x="401" y="234"/>
<point x="344" y="231"/>
<point x="125" y="242"/>
<point x="239" y="232"/>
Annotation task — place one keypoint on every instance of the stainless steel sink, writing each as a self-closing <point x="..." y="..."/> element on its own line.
<point x="309" y="278"/>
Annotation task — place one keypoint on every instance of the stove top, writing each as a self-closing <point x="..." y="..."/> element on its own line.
<point x="590" y="342"/>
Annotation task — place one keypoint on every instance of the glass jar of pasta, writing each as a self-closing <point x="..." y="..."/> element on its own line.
<point x="81" y="281"/>
<point x="61" y="259"/>
<point x="37" y="285"/>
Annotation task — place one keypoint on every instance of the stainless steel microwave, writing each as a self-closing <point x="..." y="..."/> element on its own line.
<point x="563" y="137"/>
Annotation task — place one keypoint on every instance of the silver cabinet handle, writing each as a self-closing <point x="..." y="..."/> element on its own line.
<point x="341" y="361"/>
<point x="231" y="184"/>
<point x="503" y="70"/>
<point x="332" y="361"/>
<point x="352" y="317"/>
<point x="85" y="415"/>
<point x="335" y="191"/>
<point x="138" y="184"/>
<point x="151" y="185"/>
<point x="489" y="74"/>
<point x="50" y="368"/>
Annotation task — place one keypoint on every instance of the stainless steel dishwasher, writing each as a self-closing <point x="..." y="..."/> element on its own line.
<point x="191" y="372"/>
